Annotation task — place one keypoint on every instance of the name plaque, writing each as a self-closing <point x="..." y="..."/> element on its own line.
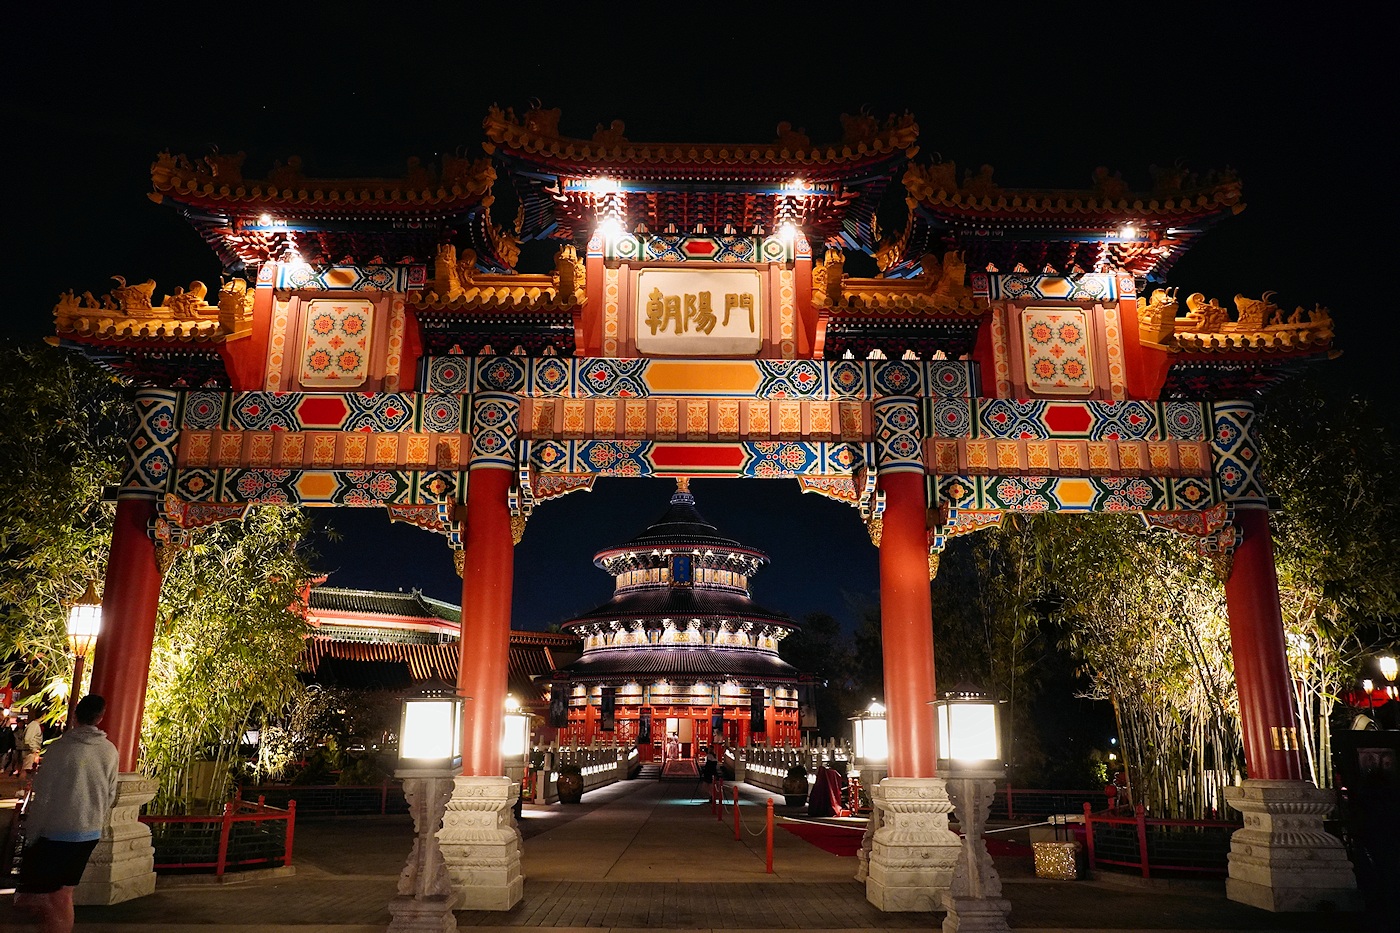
<point x="699" y="312"/>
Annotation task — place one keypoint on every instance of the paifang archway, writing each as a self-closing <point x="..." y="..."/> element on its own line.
<point x="934" y="398"/>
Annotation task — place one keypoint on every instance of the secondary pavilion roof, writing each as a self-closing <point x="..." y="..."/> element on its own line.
<point x="566" y="184"/>
<point x="1063" y="232"/>
<point x="375" y="639"/>
<point x="323" y="221"/>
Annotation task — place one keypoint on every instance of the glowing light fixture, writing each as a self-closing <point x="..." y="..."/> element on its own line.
<point x="788" y="232"/>
<point x="1389" y="667"/>
<point x="430" y="730"/>
<point x="871" y="734"/>
<point x="515" y="740"/>
<point x="602" y="187"/>
<point x="265" y="220"/>
<point x="969" y="733"/>
<point x="1127" y="232"/>
<point x="84" y="625"/>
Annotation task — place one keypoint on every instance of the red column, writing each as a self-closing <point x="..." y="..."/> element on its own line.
<point x="487" y="575"/>
<point x="906" y="626"/>
<point x="1261" y="660"/>
<point x="129" y="600"/>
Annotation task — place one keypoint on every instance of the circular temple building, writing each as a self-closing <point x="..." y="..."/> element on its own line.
<point x="681" y="659"/>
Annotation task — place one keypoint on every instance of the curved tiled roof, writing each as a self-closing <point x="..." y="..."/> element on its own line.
<point x="412" y="605"/>
<point x="679" y="663"/>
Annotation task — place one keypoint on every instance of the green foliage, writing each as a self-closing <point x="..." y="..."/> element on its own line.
<point x="61" y="444"/>
<point x="224" y="660"/>
<point x="820" y="649"/>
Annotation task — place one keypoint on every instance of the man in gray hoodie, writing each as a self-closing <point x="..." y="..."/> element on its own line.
<point x="73" y="792"/>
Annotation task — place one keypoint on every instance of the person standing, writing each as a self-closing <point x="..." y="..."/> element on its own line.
<point x="7" y="746"/>
<point x="31" y="745"/>
<point x="73" y="793"/>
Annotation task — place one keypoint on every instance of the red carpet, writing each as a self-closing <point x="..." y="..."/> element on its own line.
<point x="845" y="841"/>
<point x="838" y="840"/>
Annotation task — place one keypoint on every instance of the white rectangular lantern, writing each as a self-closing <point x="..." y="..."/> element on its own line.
<point x="430" y="735"/>
<point x="969" y="734"/>
<point x="871" y="734"/>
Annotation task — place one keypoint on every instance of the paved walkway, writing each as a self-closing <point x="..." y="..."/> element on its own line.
<point x="644" y="856"/>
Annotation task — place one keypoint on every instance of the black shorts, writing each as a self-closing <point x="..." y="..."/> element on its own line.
<point x="48" y="865"/>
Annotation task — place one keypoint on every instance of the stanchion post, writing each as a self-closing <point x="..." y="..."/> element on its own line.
<point x="291" y="831"/>
<point x="736" y="814"/>
<point x="224" y="828"/>
<point x="1142" y="839"/>
<point x="770" y="835"/>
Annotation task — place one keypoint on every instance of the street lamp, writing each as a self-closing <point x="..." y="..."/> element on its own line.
<point x="872" y="743"/>
<point x="1389" y="668"/>
<point x="970" y="758"/>
<point x="430" y="756"/>
<point x="84" y="624"/>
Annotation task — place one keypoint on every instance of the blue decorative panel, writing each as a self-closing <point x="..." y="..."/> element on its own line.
<point x="449" y="374"/>
<point x="351" y="278"/>
<point x="150" y="448"/>
<point x="1090" y="286"/>
<point x="898" y="435"/>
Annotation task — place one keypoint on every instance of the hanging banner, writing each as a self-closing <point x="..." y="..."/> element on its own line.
<point x="644" y="727"/>
<point x="756" y="720"/>
<point x="559" y="706"/>
<point x="607" y="707"/>
<point x="716" y="728"/>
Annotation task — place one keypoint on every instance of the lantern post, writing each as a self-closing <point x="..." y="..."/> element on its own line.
<point x="84" y="625"/>
<point x="970" y="759"/>
<point x="429" y="759"/>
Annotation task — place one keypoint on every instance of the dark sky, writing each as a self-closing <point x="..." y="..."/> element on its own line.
<point x="1300" y="107"/>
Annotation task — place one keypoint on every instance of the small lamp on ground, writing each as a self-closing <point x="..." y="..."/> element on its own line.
<point x="970" y="758"/>
<point x="429" y="759"/>
<point x="84" y="625"/>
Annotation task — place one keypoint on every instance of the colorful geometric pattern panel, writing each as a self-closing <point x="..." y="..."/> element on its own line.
<point x="757" y="460"/>
<point x="898" y="435"/>
<point x="861" y="380"/>
<point x="1057" y="359"/>
<point x="1214" y="528"/>
<point x="1046" y="420"/>
<point x="495" y="427"/>
<point x="351" y="278"/>
<point x="1071" y="494"/>
<point x="317" y="487"/>
<point x="1091" y="286"/>
<point x="675" y="247"/>
<point x="1235" y="451"/>
<point x="151" y="446"/>
<point x="336" y="343"/>
<point x="371" y="413"/>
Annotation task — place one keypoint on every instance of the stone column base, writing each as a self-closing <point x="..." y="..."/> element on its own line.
<point x="912" y="852"/>
<point x="422" y="914"/>
<point x="122" y="866"/>
<point x="976" y="914"/>
<point x="481" y="843"/>
<point x="1283" y="860"/>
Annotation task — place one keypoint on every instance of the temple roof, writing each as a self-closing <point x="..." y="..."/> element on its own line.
<point x="411" y="605"/>
<point x="681" y="663"/>
<point x="343" y="221"/>
<point x="682" y="525"/>
<point x="567" y="186"/>
<point x="1059" y="231"/>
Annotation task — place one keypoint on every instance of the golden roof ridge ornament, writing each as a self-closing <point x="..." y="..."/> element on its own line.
<point x="128" y="311"/>
<point x="537" y="131"/>
<point x="222" y="176"/>
<point x="1208" y="326"/>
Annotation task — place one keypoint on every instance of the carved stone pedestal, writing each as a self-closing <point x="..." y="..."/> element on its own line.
<point x="481" y="844"/>
<point x="425" y="897"/>
<point x="1283" y="860"/>
<point x="974" y="903"/>
<point x="912" y="852"/>
<point x="122" y="866"/>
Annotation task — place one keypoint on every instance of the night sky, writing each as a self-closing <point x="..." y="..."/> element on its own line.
<point x="1298" y="107"/>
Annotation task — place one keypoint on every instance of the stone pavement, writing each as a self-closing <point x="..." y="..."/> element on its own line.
<point x="644" y="856"/>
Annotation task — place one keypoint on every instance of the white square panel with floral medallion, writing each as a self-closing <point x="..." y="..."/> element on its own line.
<point x="1057" y="351"/>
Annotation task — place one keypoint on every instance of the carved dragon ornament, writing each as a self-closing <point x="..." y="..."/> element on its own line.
<point x="128" y="310"/>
